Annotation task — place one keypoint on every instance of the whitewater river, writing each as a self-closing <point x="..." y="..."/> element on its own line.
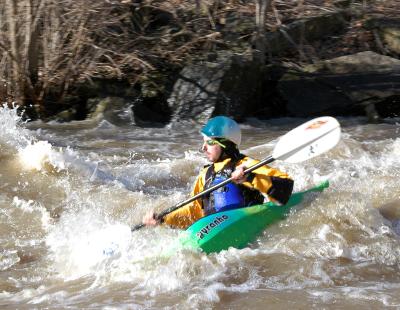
<point x="69" y="194"/>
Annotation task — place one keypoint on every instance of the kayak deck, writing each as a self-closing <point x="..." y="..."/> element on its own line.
<point x="237" y="228"/>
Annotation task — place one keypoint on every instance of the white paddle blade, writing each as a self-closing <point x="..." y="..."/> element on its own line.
<point x="308" y="140"/>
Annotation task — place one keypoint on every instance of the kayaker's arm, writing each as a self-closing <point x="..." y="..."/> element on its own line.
<point x="281" y="189"/>
<point x="238" y="176"/>
<point x="277" y="185"/>
<point x="188" y="214"/>
<point x="185" y="216"/>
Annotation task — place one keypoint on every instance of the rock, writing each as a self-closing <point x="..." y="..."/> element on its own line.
<point x="72" y="108"/>
<point x="195" y="93"/>
<point x="232" y="87"/>
<point x="116" y="110"/>
<point x="96" y="107"/>
<point x="388" y="30"/>
<point x="361" y="84"/>
<point x="147" y="111"/>
<point x="103" y="88"/>
<point x="305" y="30"/>
<point x="123" y="111"/>
<point x="313" y="95"/>
<point x="357" y="63"/>
<point x="65" y="115"/>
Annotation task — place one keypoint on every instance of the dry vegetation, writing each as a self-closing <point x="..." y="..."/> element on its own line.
<point x="49" y="46"/>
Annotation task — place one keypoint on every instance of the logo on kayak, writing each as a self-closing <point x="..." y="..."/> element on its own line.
<point x="206" y="229"/>
<point x="316" y="125"/>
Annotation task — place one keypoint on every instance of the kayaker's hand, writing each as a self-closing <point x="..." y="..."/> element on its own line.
<point x="238" y="175"/>
<point x="150" y="219"/>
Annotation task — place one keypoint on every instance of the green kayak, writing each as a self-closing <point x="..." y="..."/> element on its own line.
<point x="237" y="228"/>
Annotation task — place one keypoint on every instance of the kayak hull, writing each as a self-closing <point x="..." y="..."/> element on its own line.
<point x="239" y="227"/>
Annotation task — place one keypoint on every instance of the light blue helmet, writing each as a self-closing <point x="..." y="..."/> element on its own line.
<point x="222" y="127"/>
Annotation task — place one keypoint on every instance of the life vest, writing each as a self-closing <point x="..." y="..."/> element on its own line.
<point x="231" y="195"/>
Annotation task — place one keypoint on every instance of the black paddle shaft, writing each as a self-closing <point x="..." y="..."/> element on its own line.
<point x="161" y="215"/>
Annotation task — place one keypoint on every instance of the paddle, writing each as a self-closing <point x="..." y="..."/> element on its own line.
<point x="301" y="143"/>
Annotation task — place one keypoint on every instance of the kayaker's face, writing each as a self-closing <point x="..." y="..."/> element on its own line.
<point x="211" y="149"/>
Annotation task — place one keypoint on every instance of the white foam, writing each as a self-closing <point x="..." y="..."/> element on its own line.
<point x="80" y="248"/>
<point x="8" y="258"/>
<point x="33" y="207"/>
<point x="10" y="127"/>
<point x="35" y="155"/>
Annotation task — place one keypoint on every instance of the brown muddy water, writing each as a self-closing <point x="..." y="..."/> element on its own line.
<point x="70" y="191"/>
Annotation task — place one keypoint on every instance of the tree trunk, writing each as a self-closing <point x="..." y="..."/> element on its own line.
<point x="32" y="42"/>
<point x="17" y="76"/>
<point x="260" y="40"/>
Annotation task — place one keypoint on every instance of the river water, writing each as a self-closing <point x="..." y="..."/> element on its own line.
<point x="70" y="193"/>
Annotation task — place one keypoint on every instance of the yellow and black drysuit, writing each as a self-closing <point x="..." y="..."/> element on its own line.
<point x="263" y="181"/>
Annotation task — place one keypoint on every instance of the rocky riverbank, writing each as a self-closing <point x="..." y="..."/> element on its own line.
<point x="321" y="57"/>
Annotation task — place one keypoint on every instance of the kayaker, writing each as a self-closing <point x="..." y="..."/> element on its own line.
<point x="221" y="140"/>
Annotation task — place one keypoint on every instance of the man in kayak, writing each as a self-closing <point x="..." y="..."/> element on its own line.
<point x="221" y="139"/>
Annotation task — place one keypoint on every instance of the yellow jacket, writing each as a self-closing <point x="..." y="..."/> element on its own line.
<point x="263" y="181"/>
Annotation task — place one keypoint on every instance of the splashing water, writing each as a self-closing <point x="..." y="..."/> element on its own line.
<point x="70" y="193"/>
